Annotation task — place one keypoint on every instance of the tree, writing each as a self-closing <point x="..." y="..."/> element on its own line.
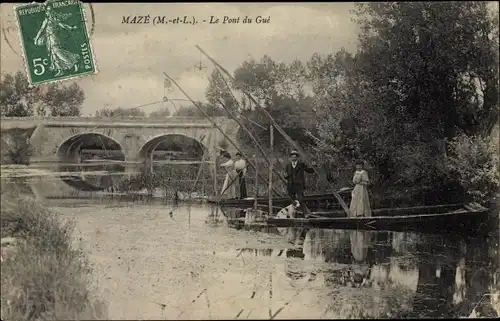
<point x="443" y="62"/>
<point x="63" y="100"/>
<point x="218" y="92"/>
<point x="18" y="99"/>
<point x="439" y="77"/>
<point x="164" y="112"/>
<point x="120" y="112"/>
<point x="267" y="79"/>
<point x="279" y="88"/>
<point x="193" y="111"/>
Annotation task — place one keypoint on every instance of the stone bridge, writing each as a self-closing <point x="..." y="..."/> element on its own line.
<point x="59" y="140"/>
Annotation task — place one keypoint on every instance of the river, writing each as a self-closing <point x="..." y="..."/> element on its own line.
<point x="191" y="265"/>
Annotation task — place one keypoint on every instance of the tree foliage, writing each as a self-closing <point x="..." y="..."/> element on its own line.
<point x="217" y="92"/>
<point x="424" y="73"/>
<point x="18" y="99"/>
<point x="473" y="161"/>
<point x="164" y="112"/>
<point x="120" y="112"/>
<point x="192" y="111"/>
<point x="278" y="87"/>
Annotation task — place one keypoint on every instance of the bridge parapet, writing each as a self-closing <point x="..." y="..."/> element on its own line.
<point x="132" y="119"/>
<point x="7" y="123"/>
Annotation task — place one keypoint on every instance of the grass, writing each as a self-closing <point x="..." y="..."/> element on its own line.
<point x="46" y="278"/>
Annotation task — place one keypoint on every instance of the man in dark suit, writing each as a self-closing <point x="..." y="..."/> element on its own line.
<point x="294" y="174"/>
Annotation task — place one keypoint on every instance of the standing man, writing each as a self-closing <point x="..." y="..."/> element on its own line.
<point x="241" y="168"/>
<point x="294" y="174"/>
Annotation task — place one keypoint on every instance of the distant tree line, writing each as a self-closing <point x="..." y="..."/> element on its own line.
<point x="181" y="110"/>
<point x="18" y="99"/>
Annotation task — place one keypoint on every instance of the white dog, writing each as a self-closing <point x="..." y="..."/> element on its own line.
<point x="289" y="211"/>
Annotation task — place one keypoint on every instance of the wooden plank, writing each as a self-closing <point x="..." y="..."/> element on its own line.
<point x="470" y="208"/>
<point x="378" y="222"/>
<point x="475" y="207"/>
<point x="403" y="210"/>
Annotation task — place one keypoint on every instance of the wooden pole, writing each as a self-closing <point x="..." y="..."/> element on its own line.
<point x="151" y="165"/>
<point x="215" y="173"/>
<point x="256" y="187"/>
<point x="276" y="125"/>
<point x="271" y="159"/>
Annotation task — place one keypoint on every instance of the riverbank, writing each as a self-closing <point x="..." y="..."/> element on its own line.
<point x="44" y="277"/>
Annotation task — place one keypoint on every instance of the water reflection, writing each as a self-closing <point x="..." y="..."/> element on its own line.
<point x="217" y="217"/>
<point x="397" y="274"/>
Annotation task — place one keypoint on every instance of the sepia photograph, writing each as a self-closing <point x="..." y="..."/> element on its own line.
<point x="239" y="160"/>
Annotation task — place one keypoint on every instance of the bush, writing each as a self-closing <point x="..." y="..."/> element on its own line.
<point x="473" y="162"/>
<point x="19" y="150"/>
<point x="45" y="279"/>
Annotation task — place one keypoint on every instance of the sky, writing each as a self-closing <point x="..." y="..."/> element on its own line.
<point x="131" y="58"/>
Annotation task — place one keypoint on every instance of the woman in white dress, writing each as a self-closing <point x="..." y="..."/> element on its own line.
<point x="360" y="203"/>
<point x="230" y="185"/>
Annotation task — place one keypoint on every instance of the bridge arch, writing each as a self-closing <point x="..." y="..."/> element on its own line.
<point x="180" y="144"/>
<point x="77" y="153"/>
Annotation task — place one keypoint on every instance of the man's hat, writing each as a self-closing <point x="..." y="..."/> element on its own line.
<point x="294" y="152"/>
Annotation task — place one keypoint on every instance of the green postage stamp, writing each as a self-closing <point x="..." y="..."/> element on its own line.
<point x="55" y="40"/>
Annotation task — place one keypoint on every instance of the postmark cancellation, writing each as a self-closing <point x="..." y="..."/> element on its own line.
<point x="55" y="41"/>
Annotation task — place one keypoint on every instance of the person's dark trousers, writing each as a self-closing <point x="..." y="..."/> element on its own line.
<point x="297" y="193"/>
<point x="243" y="185"/>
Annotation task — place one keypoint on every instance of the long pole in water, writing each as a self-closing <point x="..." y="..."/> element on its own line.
<point x="209" y="119"/>
<point x="215" y="170"/>
<point x="271" y="159"/>
<point x="276" y="125"/>
<point x="256" y="187"/>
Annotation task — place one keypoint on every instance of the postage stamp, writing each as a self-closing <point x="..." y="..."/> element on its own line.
<point x="55" y="41"/>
